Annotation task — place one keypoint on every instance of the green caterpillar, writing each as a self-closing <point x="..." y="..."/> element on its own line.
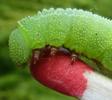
<point x="80" y="31"/>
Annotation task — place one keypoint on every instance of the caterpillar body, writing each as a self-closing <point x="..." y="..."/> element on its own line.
<point x="81" y="31"/>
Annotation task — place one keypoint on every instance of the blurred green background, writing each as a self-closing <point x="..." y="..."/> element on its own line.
<point x="17" y="83"/>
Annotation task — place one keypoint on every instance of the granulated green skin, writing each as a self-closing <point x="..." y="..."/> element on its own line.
<point x="81" y="31"/>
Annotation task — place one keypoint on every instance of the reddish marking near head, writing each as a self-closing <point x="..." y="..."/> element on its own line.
<point x="58" y="73"/>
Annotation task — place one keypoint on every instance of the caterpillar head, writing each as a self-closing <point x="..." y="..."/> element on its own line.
<point x="19" y="49"/>
<point x="21" y="46"/>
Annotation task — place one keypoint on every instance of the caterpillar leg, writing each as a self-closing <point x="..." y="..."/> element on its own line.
<point x="74" y="57"/>
<point x="53" y="51"/>
<point x="36" y="54"/>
